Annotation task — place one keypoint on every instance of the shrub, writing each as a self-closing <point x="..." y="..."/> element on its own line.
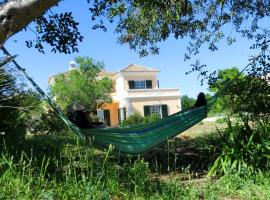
<point x="151" y="118"/>
<point x="137" y="119"/>
<point x="134" y="119"/>
<point x="244" y="150"/>
<point x="246" y="142"/>
<point x="44" y="120"/>
<point x="11" y="96"/>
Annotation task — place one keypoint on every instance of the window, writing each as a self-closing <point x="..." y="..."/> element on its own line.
<point x="156" y="109"/>
<point x="140" y="84"/>
<point x="121" y="114"/>
<point x="104" y="116"/>
<point x="161" y="110"/>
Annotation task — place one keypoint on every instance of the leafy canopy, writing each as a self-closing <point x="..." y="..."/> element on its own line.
<point x="241" y="92"/>
<point x="82" y="85"/>
<point x="187" y="102"/>
<point x="220" y="84"/>
<point x="142" y="23"/>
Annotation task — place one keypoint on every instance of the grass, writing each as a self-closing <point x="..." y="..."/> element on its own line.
<point x="203" y="128"/>
<point x="61" y="167"/>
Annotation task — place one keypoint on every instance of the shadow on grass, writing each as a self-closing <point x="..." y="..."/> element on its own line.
<point x="177" y="155"/>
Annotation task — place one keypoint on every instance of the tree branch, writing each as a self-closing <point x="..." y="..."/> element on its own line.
<point x="16" y="14"/>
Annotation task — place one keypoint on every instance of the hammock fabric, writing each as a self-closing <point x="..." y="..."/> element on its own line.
<point x="132" y="140"/>
<point x="139" y="139"/>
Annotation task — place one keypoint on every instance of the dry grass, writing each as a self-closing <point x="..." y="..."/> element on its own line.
<point x="203" y="128"/>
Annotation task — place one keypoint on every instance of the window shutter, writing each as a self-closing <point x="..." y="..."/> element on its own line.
<point x="125" y="113"/>
<point x="119" y="115"/>
<point x="146" y="110"/>
<point x="131" y="84"/>
<point x="148" y="84"/>
<point x="164" y="109"/>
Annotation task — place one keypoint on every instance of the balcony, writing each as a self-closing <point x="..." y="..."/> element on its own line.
<point x="142" y="93"/>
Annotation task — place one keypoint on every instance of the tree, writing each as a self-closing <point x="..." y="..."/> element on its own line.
<point x="187" y="102"/>
<point x="82" y="86"/>
<point x="241" y="95"/>
<point x="247" y="100"/>
<point x="139" y="23"/>
<point x="142" y="24"/>
<point x="219" y="85"/>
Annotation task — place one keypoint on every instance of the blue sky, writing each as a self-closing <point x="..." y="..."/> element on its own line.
<point x="103" y="46"/>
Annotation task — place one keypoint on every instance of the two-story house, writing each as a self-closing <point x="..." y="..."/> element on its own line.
<point x="137" y="90"/>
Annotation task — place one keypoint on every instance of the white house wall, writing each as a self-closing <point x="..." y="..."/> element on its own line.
<point x="120" y="91"/>
<point x="137" y="105"/>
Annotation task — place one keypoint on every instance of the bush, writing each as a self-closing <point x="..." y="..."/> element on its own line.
<point x="44" y="120"/>
<point x="11" y="96"/>
<point x="151" y="118"/>
<point x="134" y="119"/>
<point x="246" y="142"/>
<point x="137" y="119"/>
<point x="244" y="150"/>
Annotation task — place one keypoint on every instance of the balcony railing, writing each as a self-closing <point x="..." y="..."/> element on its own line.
<point x="137" y="93"/>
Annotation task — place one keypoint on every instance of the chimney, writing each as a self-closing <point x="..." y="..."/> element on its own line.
<point x="71" y="65"/>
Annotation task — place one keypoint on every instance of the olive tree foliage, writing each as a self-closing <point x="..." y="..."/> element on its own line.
<point x="140" y="23"/>
<point x="82" y="86"/>
<point x="60" y="31"/>
<point x="143" y="24"/>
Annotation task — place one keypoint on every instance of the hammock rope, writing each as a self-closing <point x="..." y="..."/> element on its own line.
<point x="135" y="139"/>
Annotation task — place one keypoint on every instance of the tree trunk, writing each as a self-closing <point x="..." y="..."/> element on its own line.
<point x="17" y="14"/>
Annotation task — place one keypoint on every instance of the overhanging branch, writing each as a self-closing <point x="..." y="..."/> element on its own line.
<point x="16" y="14"/>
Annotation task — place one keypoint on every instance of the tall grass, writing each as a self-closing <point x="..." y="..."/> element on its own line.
<point x="56" y="167"/>
<point x="245" y="149"/>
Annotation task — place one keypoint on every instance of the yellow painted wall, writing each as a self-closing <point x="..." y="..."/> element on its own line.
<point x="113" y="107"/>
<point x="172" y="103"/>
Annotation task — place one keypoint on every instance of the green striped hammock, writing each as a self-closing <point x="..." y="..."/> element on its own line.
<point x="142" y="138"/>
<point x="131" y="140"/>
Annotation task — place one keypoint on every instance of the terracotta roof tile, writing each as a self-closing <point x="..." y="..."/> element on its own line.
<point x="138" y="68"/>
<point x="106" y="73"/>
